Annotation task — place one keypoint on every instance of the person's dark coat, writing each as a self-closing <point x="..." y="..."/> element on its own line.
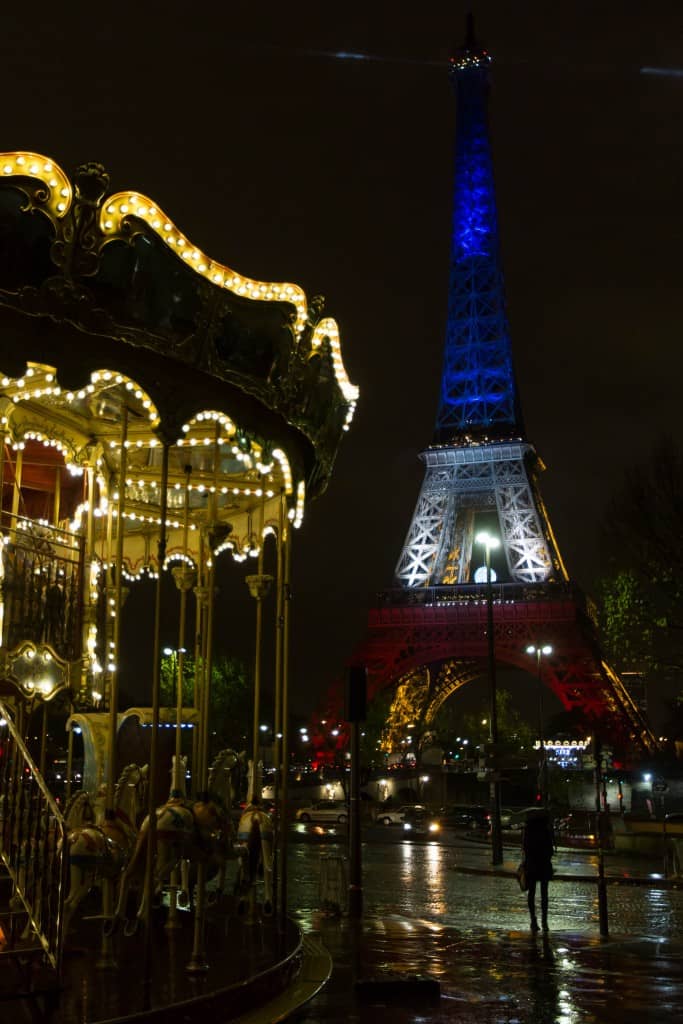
<point x="537" y="847"/>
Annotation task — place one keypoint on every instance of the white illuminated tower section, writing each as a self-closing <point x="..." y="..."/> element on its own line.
<point x="480" y="471"/>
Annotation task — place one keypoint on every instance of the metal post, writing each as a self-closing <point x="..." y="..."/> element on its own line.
<point x="184" y="578"/>
<point x="106" y="958"/>
<point x="543" y="767"/>
<point x="355" y="863"/>
<point x="43" y="741"/>
<point x="494" y="786"/>
<point x="259" y="585"/>
<point x="284" y="782"/>
<point x="602" y="886"/>
<point x="277" y="739"/>
<point x="198" y="962"/>
<point x="154" y="739"/>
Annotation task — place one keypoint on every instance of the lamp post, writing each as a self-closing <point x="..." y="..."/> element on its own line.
<point x="540" y="652"/>
<point x="263" y="729"/>
<point x="489" y="544"/>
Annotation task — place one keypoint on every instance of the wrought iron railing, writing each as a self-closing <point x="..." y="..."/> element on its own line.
<point x="32" y="841"/>
<point x="40" y="581"/>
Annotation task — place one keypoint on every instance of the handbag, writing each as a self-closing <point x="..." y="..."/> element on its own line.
<point x="521" y="877"/>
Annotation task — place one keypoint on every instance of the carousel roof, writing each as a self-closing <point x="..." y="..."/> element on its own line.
<point x="120" y="339"/>
<point x="106" y="304"/>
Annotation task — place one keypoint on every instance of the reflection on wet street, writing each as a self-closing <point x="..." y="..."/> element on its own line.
<point x="423" y="917"/>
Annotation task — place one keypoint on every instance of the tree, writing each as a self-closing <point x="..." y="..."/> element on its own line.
<point x="231" y="699"/>
<point x="641" y="593"/>
<point x="514" y="732"/>
<point x="373" y="727"/>
<point x="627" y="621"/>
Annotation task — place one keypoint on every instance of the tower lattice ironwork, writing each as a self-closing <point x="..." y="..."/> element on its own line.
<point x="428" y="634"/>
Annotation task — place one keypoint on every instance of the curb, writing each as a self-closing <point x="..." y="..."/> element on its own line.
<point x="315" y="971"/>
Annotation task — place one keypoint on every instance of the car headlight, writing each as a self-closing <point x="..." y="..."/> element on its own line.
<point x="434" y="826"/>
<point x="407" y="826"/>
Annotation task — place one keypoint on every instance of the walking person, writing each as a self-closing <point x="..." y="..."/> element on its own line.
<point x="538" y="846"/>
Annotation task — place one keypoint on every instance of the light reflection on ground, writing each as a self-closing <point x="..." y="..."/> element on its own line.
<point x="471" y="932"/>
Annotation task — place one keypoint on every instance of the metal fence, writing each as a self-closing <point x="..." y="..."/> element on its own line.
<point x="32" y="843"/>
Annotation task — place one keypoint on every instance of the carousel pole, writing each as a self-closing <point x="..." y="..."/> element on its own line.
<point x="2" y="478"/>
<point x="16" y="493"/>
<point x="200" y="594"/>
<point x="43" y="741"/>
<point x="58" y="494"/>
<point x="154" y="740"/>
<point x="198" y="962"/>
<point x="89" y="609"/>
<point x="285" y="723"/>
<point x="108" y="563"/>
<point x="259" y="586"/>
<point x="184" y="578"/>
<point x="69" y="756"/>
<point x="277" y="738"/>
<point x="106" y="950"/>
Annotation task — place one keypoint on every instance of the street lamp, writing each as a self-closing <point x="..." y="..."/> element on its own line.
<point x="263" y="729"/>
<point x="541" y="652"/>
<point x="490" y="543"/>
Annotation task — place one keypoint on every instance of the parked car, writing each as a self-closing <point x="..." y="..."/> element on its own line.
<point x="577" y="829"/>
<point x="419" y="821"/>
<point x="577" y="823"/>
<point x="513" y="820"/>
<point x="324" y="810"/>
<point x="473" y="817"/>
<point x="393" y="815"/>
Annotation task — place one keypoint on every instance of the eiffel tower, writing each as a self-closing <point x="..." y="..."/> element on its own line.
<point x="427" y="636"/>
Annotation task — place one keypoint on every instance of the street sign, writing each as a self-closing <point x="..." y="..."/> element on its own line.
<point x="660" y="787"/>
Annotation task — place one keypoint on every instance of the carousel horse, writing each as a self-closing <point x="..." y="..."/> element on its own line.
<point x="186" y="832"/>
<point x="255" y="853"/>
<point x="101" y="850"/>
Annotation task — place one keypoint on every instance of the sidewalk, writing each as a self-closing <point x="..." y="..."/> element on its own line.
<point x="488" y="966"/>
<point x="490" y="977"/>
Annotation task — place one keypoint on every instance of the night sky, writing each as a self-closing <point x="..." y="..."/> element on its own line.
<point x="287" y="164"/>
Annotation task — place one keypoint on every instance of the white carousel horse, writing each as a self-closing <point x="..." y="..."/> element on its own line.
<point x="97" y="851"/>
<point x="255" y="852"/>
<point x="199" y="831"/>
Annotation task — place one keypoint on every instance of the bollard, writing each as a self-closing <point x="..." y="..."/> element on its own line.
<point x="333" y="884"/>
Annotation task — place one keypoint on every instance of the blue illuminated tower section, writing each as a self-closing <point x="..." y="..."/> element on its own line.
<point x="480" y="471"/>
<point x="478" y="394"/>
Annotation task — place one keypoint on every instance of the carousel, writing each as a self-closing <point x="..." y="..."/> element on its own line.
<point x="160" y="412"/>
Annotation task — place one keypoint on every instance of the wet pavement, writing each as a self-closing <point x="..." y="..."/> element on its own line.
<point x="428" y="912"/>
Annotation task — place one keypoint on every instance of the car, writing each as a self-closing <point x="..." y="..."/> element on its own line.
<point x="393" y="815"/>
<point x="469" y="816"/>
<point x="577" y="823"/>
<point x="324" y="810"/>
<point x="419" y="821"/>
<point x="513" y="820"/>
<point x="578" y="829"/>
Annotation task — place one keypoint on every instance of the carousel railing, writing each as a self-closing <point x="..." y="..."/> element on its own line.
<point x="40" y="584"/>
<point x="32" y="843"/>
